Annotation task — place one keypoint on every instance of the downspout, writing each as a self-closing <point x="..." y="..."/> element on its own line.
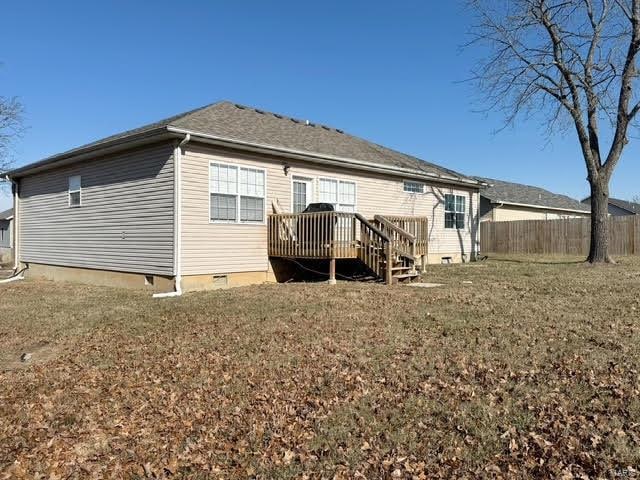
<point x="16" y="219"/>
<point x="17" y="273"/>
<point x="177" y="220"/>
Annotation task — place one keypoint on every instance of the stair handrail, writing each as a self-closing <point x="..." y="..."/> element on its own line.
<point x="377" y="231"/>
<point x="382" y="260"/>
<point x="410" y="239"/>
<point x="387" y="223"/>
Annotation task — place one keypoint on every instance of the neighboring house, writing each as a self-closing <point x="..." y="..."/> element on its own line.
<point x="6" y="235"/>
<point x="506" y="201"/>
<point x="619" y="208"/>
<point x="187" y="201"/>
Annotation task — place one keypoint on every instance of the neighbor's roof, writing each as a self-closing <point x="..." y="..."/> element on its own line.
<point x="623" y="204"/>
<point x="500" y="191"/>
<point x="629" y="206"/>
<point x="7" y="214"/>
<point x="251" y="126"/>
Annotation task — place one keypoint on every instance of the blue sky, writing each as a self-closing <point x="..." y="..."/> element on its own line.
<point x="387" y="71"/>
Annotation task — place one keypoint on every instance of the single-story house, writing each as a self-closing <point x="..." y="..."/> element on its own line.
<point x="6" y="235"/>
<point x="502" y="201"/>
<point x="619" y="208"/>
<point x="213" y="197"/>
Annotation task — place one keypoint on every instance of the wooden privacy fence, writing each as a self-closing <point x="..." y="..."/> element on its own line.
<point x="558" y="237"/>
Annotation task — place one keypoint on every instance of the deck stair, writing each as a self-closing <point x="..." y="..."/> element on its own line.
<point x="388" y="246"/>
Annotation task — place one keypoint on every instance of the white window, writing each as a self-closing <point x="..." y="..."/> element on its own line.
<point x="414" y="187"/>
<point x="237" y="193"/>
<point x="302" y="193"/>
<point x="75" y="191"/>
<point x="454" y="211"/>
<point x="340" y="193"/>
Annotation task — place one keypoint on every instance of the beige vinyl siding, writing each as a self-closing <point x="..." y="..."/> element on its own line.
<point x="508" y="213"/>
<point x="125" y="222"/>
<point x="222" y="248"/>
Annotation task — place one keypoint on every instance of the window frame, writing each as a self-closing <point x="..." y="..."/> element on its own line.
<point x="455" y="211"/>
<point x="238" y="195"/>
<point x="310" y="181"/>
<point x="416" y="182"/>
<point x="338" y="180"/>
<point x="78" y="191"/>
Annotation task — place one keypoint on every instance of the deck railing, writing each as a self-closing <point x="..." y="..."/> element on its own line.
<point x="313" y="235"/>
<point x="330" y="235"/>
<point x="342" y="235"/>
<point x="418" y="227"/>
<point x="403" y="242"/>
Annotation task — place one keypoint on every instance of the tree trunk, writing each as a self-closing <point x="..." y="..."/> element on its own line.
<point x="599" y="250"/>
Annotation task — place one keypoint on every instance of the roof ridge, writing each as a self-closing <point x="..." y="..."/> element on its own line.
<point x="235" y="121"/>
<point x="538" y="187"/>
<point x="281" y="116"/>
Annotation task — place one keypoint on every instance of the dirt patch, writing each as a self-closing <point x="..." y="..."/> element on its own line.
<point x="27" y="355"/>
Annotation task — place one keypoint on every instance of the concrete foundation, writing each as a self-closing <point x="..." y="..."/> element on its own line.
<point x="195" y="283"/>
<point x="6" y="256"/>
<point x="103" y="278"/>
<point x="279" y="271"/>
<point x="152" y="283"/>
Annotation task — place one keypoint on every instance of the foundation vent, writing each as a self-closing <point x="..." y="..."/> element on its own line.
<point x="220" y="281"/>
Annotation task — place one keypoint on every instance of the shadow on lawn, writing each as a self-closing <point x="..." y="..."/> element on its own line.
<point x="534" y="260"/>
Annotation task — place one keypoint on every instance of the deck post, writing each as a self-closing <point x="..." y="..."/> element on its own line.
<point x="413" y="257"/>
<point x="332" y="271"/>
<point x="388" y="273"/>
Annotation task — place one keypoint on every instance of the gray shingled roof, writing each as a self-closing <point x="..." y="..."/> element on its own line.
<point x="500" y="191"/>
<point x="6" y="214"/>
<point x="629" y="206"/>
<point x="250" y="125"/>
<point x="623" y="204"/>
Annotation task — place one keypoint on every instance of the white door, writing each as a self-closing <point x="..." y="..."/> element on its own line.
<point x="302" y="193"/>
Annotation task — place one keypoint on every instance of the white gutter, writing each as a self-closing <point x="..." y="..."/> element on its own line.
<point x="322" y="158"/>
<point x="527" y="205"/>
<point x="91" y="151"/>
<point x="177" y="220"/>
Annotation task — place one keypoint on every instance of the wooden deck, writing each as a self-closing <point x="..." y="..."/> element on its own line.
<point x="389" y="246"/>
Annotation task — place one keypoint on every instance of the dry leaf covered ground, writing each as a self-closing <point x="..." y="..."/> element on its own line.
<point x="531" y="370"/>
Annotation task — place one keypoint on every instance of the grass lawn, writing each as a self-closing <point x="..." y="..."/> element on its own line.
<point x="530" y="370"/>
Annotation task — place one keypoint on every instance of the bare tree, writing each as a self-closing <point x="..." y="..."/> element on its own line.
<point x="10" y="127"/>
<point x="574" y="63"/>
<point x="636" y="198"/>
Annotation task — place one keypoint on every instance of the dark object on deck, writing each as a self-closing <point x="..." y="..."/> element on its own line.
<point x="446" y="260"/>
<point x="326" y="231"/>
<point x="319" y="207"/>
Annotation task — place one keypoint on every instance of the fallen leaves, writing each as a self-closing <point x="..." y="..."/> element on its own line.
<point x="512" y="379"/>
